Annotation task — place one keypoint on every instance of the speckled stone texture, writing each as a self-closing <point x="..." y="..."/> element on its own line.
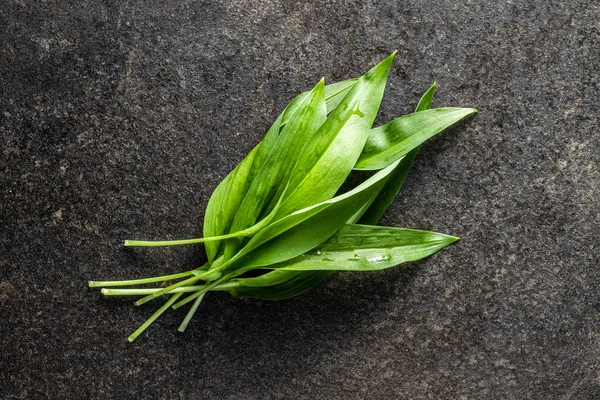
<point x="118" y="120"/>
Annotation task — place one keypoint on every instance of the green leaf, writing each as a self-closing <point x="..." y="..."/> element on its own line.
<point x="276" y="285"/>
<point x="384" y="198"/>
<point x="426" y="99"/>
<point x="244" y="196"/>
<point x="334" y="93"/>
<point x="304" y="229"/>
<point x="331" y="153"/>
<point x="310" y="115"/>
<point x="395" y="139"/>
<point x="229" y="194"/>
<point x="368" y="248"/>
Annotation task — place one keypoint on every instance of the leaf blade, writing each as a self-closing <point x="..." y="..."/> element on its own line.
<point x="382" y="201"/>
<point x="304" y="229"/>
<point x="395" y="139"/>
<point x="229" y="194"/>
<point x="328" y="158"/>
<point x="368" y="248"/>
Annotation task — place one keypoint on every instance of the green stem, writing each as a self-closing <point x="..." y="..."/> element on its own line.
<point x="159" y="243"/>
<point x="162" y="291"/>
<point x="251" y="231"/>
<point x="139" y="281"/>
<point x="190" y="313"/>
<point x="183" y="289"/>
<point x="226" y="286"/>
<point x="154" y="316"/>
<point x="199" y="293"/>
<point x="146" y="291"/>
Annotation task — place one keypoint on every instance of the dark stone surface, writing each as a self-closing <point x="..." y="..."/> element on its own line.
<point x="118" y="119"/>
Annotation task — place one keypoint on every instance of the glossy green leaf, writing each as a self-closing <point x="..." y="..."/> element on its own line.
<point x="304" y="229"/>
<point x="229" y="194"/>
<point x="334" y="93"/>
<point x="427" y="99"/>
<point x="310" y="115"/>
<point x="391" y="188"/>
<point x="368" y="248"/>
<point x="329" y="156"/>
<point x="395" y="139"/>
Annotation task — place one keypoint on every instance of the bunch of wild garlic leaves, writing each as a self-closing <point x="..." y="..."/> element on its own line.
<point x="280" y="212"/>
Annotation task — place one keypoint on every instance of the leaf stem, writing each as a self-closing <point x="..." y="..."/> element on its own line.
<point x="226" y="286"/>
<point x="161" y="243"/>
<point x="139" y="281"/>
<point x="152" y="296"/>
<point x="154" y="316"/>
<point x="146" y="291"/>
<point x="190" y="314"/>
<point x="199" y="293"/>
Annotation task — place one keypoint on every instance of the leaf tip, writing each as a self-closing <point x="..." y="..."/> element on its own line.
<point x="389" y="59"/>
<point x="452" y="239"/>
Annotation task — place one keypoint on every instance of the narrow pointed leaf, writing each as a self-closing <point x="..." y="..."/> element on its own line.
<point x="391" y="188"/>
<point x="427" y="99"/>
<point x="395" y="139"/>
<point x="368" y="248"/>
<point x="273" y="176"/>
<point x="306" y="228"/>
<point x="334" y="93"/>
<point x="227" y="197"/>
<point x="329" y="156"/>
<point x="310" y="115"/>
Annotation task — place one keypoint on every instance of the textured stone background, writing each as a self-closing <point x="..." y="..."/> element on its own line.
<point x="118" y="119"/>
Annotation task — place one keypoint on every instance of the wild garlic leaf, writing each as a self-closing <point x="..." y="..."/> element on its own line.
<point x="329" y="156"/>
<point x="276" y="285"/>
<point x="334" y="93"/>
<point x="368" y="248"/>
<point x="229" y="194"/>
<point x="304" y="229"/>
<point x="391" y="188"/>
<point x="310" y="115"/>
<point x="396" y="138"/>
<point x="427" y="99"/>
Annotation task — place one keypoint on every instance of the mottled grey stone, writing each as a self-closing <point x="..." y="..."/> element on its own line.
<point x="118" y="119"/>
